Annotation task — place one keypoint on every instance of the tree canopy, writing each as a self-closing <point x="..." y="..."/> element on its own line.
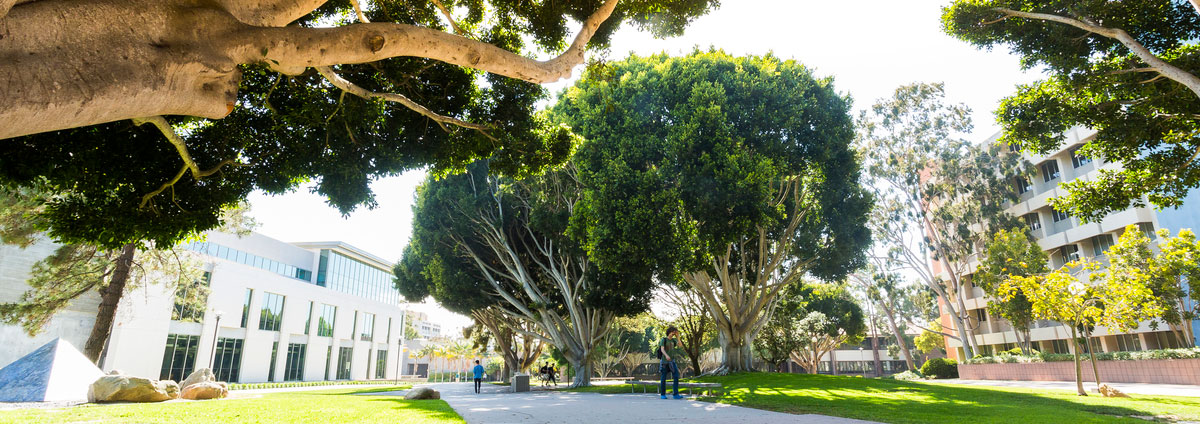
<point x="149" y="140"/>
<point x="1128" y="69"/>
<point x="731" y="173"/>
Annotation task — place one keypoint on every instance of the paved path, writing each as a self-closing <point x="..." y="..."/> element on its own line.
<point x="1138" y="388"/>
<point x="497" y="405"/>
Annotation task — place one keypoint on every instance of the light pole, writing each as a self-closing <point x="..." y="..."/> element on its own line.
<point x="216" y="327"/>
<point x="864" y="361"/>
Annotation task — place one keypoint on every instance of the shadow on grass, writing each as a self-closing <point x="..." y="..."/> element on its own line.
<point x="431" y="409"/>
<point x="900" y="401"/>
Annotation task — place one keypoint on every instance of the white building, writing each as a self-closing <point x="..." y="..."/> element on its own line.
<point x="286" y="312"/>
<point x="1064" y="238"/>
<point x="425" y="328"/>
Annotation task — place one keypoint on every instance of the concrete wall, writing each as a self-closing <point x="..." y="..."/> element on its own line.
<point x="1159" y="371"/>
<point x="73" y="324"/>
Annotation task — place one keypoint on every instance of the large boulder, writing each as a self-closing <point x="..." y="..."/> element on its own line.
<point x="205" y="390"/>
<point x="422" y="393"/>
<point x="198" y="376"/>
<point x="115" y="387"/>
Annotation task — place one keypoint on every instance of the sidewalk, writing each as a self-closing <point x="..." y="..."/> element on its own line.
<point x="1130" y="388"/>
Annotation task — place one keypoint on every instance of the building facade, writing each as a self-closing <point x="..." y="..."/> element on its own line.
<point x="274" y="311"/>
<point x="425" y="328"/>
<point x="1064" y="238"/>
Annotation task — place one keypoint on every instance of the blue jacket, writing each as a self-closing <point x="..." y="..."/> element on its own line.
<point x="478" y="371"/>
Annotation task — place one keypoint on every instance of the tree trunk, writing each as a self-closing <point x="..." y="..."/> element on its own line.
<point x="110" y="297"/>
<point x="1078" y="366"/>
<point x="737" y="353"/>
<point x="583" y="372"/>
<point x="875" y="349"/>
<point x="695" y="359"/>
<point x="908" y="358"/>
<point x="1092" y="359"/>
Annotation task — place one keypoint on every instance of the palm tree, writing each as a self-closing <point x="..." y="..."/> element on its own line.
<point x="427" y="352"/>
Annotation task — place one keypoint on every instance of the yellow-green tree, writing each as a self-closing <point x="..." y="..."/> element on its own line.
<point x="1082" y="296"/>
<point x="1164" y="272"/>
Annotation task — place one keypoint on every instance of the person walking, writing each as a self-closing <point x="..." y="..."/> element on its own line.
<point x="553" y="374"/>
<point x="668" y="347"/>
<point x="478" y="375"/>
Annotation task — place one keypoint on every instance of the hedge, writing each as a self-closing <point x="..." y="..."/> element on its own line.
<point x="1005" y="358"/>
<point x="940" y="368"/>
<point x="290" y="384"/>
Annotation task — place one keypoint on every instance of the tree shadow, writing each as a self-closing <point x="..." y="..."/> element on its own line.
<point x="432" y="408"/>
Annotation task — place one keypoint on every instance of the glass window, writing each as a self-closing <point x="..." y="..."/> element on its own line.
<point x="1050" y="170"/>
<point x="191" y="300"/>
<point x="1128" y="342"/>
<point x="179" y="357"/>
<point x="274" y="354"/>
<point x="1059" y="216"/>
<point x="1070" y="252"/>
<point x="1077" y="160"/>
<point x="308" y="320"/>
<point x="368" y="329"/>
<point x="1023" y="185"/>
<point x="326" y="321"/>
<point x="344" y="356"/>
<point x="246" y="307"/>
<point x="228" y="359"/>
<point x="328" y="360"/>
<point x="272" y="312"/>
<point x="293" y="370"/>
<point x="381" y="364"/>
<point x="1060" y="346"/>
<point x="1101" y="243"/>
<point x="1033" y="221"/>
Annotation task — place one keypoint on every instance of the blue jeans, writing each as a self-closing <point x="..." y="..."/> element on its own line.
<point x="664" y="368"/>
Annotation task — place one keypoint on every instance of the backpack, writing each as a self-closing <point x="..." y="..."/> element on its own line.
<point x="658" y="350"/>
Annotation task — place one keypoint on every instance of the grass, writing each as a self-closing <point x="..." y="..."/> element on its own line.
<point x="894" y="401"/>
<point x="329" y="406"/>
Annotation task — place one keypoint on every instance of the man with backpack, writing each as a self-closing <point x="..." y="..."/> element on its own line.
<point x="668" y="348"/>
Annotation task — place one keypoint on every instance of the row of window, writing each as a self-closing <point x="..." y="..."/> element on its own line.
<point x="271" y="317"/>
<point x="1050" y="171"/>
<point x="179" y="359"/>
<point x="348" y="275"/>
<point x="244" y="258"/>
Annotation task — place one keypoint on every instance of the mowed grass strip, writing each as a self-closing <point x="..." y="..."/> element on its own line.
<point x="317" y="406"/>
<point x="892" y="401"/>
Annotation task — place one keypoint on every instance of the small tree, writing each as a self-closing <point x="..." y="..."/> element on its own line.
<point x="1113" y="300"/>
<point x="1011" y="253"/>
<point x="931" y="340"/>
<point x="778" y="339"/>
<point x="696" y="331"/>
<point x="830" y="317"/>
<point x="1164" y="272"/>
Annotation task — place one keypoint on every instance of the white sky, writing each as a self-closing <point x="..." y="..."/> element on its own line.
<point x="870" y="47"/>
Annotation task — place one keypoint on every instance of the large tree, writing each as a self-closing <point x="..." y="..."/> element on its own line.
<point x="1011" y="253"/>
<point x="147" y="117"/>
<point x="731" y="174"/>
<point x="1129" y="69"/>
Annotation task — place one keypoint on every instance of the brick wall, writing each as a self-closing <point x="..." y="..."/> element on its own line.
<point x="1161" y="371"/>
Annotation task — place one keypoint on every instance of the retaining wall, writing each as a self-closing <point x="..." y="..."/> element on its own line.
<point x="1159" y="371"/>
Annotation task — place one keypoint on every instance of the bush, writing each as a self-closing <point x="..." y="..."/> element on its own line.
<point x="940" y="368"/>
<point x="908" y="376"/>
<point x="1004" y="357"/>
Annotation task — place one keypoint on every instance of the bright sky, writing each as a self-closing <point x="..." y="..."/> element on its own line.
<point x="870" y="47"/>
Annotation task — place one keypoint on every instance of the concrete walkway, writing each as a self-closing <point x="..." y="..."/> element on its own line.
<point x="1131" y="388"/>
<point x="497" y="405"/>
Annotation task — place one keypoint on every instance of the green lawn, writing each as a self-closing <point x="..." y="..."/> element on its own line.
<point x="914" y="402"/>
<point x="323" y="406"/>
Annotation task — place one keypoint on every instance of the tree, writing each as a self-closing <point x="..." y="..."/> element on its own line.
<point x="481" y="241"/>
<point x="930" y="341"/>
<point x="1129" y="70"/>
<point x="234" y="96"/>
<point x="1011" y="253"/>
<point x="696" y="331"/>
<point x="938" y="197"/>
<point x="1164" y="272"/>
<point x="830" y="317"/>
<point x="629" y="335"/>
<point x="517" y="350"/>
<point x="884" y="290"/>
<point x="778" y="339"/>
<point x="1082" y="296"/>
<point x="732" y="175"/>
<point x="76" y="269"/>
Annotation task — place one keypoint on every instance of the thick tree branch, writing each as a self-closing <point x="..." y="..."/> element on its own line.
<point x="293" y="49"/>
<point x="188" y="163"/>
<point x="356" y="90"/>
<point x="449" y="17"/>
<point x="1192" y="82"/>
<point x="269" y="13"/>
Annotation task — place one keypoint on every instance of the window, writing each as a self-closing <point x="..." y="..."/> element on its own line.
<point x="179" y="357"/>
<point x="389" y="333"/>
<point x="325" y="322"/>
<point x="228" y="359"/>
<point x="1128" y="342"/>
<point x="354" y="326"/>
<point x="274" y="354"/>
<point x="308" y="321"/>
<point x="368" y="331"/>
<point x="293" y="370"/>
<point x="246" y="307"/>
<point x="1060" y="346"/>
<point x="380" y="364"/>
<point x="1101" y="243"/>
<point x="344" y="356"/>
<point x="1147" y="229"/>
<point x="191" y="299"/>
<point x="249" y="259"/>
<point x="1060" y="216"/>
<point x="1094" y="345"/>
<point x="1077" y="160"/>
<point x="1033" y="221"/>
<point x="272" y="312"/>
<point x="1023" y="185"/>
<point x="328" y="359"/>
<point x="1050" y="170"/>
<point x="1165" y="339"/>
<point x="1070" y="252"/>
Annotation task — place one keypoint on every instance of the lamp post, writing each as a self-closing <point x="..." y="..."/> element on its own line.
<point x="863" y="361"/>
<point x="216" y="327"/>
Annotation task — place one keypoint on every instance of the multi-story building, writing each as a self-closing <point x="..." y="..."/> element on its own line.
<point x="275" y="312"/>
<point x="1064" y="238"/>
<point x="425" y="328"/>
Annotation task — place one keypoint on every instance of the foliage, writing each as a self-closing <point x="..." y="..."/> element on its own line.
<point x="285" y="130"/>
<point x="826" y="316"/>
<point x="928" y="341"/>
<point x="1136" y="88"/>
<point x="780" y="337"/>
<point x="1165" y="273"/>
<point x="696" y="331"/>
<point x="1143" y="355"/>
<point x="940" y="368"/>
<point x="699" y="167"/>
<point x="908" y="375"/>
<point x="1011" y="253"/>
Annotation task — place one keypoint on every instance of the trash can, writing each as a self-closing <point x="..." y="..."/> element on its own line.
<point x="520" y="383"/>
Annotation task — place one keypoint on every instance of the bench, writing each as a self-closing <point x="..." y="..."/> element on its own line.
<point x="710" y="388"/>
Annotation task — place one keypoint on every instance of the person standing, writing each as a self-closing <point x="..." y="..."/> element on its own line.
<point x="668" y="348"/>
<point x="478" y="375"/>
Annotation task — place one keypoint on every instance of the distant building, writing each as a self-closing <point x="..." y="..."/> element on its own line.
<point x="425" y="328"/>
<point x="288" y="312"/>
<point x="1064" y="238"/>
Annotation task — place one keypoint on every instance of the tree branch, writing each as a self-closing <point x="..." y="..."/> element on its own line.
<point x="271" y="13"/>
<point x="1192" y="82"/>
<point x="292" y="49"/>
<point x="188" y="163"/>
<point x="356" y="90"/>
<point x="449" y="17"/>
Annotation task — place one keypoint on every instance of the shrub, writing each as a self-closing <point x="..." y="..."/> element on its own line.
<point x="908" y="376"/>
<point x="1004" y="357"/>
<point x="940" y="368"/>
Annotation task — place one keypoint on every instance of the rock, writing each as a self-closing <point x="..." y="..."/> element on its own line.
<point x="205" y="390"/>
<point x="1110" y="391"/>
<point x="122" y="388"/>
<point x="422" y="393"/>
<point x="197" y="376"/>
